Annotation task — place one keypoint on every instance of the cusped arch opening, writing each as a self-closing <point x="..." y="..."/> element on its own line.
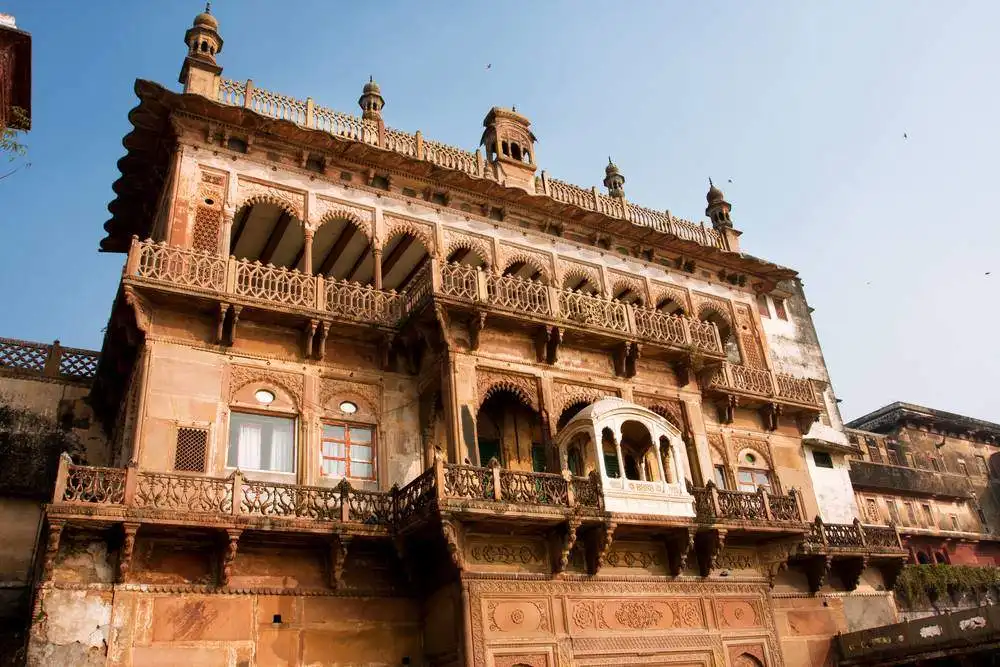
<point x="403" y="257"/>
<point x="342" y="250"/>
<point x="269" y="232"/>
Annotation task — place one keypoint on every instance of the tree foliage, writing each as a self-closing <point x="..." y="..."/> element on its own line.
<point x="30" y="445"/>
<point x="919" y="584"/>
<point x="11" y="144"/>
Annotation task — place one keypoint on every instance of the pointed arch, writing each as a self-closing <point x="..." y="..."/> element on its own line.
<point x="336" y="212"/>
<point x="514" y="261"/>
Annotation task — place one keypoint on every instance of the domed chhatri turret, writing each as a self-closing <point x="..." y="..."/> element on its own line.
<point x="371" y="101"/>
<point x="200" y="72"/>
<point x="718" y="208"/>
<point x="613" y="180"/>
<point x="510" y="147"/>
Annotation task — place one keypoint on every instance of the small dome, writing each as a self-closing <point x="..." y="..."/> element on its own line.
<point x="714" y="195"/>
<point x="612" y="168"/>
<point x="206" y="20"/>
<point x="371" y="88"/>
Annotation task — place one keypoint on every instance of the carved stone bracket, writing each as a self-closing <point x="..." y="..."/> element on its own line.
<point x="564" y="547"/>
<point x="547" y="342"/>
<point x="774" y="557"/>
<point x="220" y="324"/>
<point x="770" y="414"/>
<point x="234" y="318"/>
<point x="229" y="555"/>
<point x="441" y="315"/>
<point x="324" y="331"/>
<point x="890" y="569"/>
<point x="127" y="548"/>
<point x="338" y="559"/>
<point x="805" y="419"/>
<point x="679" y="545"/>
<point x="476" y="324"/>
<point x="708" y="546"/>
<point x="817" y="570"/>
<point x="52" y="547"/>
<point x="727" y="409"/>
<point x="849" y="570"/>
<point x="308" y="338"/>
<point x="451" y="529"/>
<point x="599" y="544"/>
<point x="625" y="357"/>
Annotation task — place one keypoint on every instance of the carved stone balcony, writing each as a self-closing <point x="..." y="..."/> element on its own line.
<point x="762" y="385"/>
<point x="868" y="475"/>
<point x="512" y="297"/>
<point x="747" y="508"/>
<point x="955" y="634"/>
<point x="847" y="549"/>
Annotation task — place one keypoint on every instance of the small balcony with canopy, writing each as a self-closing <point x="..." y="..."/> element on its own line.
<point x="639" y="456"/>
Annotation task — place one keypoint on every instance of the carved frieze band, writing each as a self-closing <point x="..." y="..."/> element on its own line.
<point x="489" y="381"/>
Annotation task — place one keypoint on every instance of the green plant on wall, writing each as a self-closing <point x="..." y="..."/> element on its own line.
<point x="919" y="584"/>
<point x="11" y="146"/>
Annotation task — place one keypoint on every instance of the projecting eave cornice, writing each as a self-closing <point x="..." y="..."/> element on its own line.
<point x="144" y="170"/>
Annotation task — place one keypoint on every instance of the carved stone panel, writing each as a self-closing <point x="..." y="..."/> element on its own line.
<point x="637" y="558"/>
<point x="737" y="559"/>
<point x="522" y="660"/>
<point x="747" y="655"/>
<point x="565" y="394"/>
<point x="490" y="553"/>
<point x="333" y="390"/>
<point x="517" y="617"/>
<point x="241" y="376"/>
<point x="738" y="613"/>
<point x="631" y="614"/>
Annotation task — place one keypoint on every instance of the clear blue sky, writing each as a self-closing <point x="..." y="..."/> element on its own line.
<point x="802" y="104"/>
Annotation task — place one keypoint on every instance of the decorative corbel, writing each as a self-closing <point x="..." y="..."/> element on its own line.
<point x="220" y="324"/>
<point x="599" y="546"/>
<point x="139" y="310"/>
<point x="890" y="569"/>
<point x="635" y="351"/>
<point x="709" y="545"/>
<point x="441" y="314"/>
<point x="476" y="324"/>
<point x="233" y="321"/>
<point x="125" y="553"/>
<point x="555" y="340"/>
<point x="565" y="547"/>
<point x="817" y="570"/>
<point x="620" y="356"/>
<point x="52" y="547"/>
<point x="385" y="351"/>
<point x="542" y="344"/>
<point x="324" y="331"/>
<point x="774" y="558"/>
<point x="679" y="546"/>
<point x="770" y="413"/>
<point x="229" y="555"/>
<point x="309" y="334"/>
<point x="805" y="419"/>
<point x="850" y="569"/>
<point x="338" y="559"/>
<point x="727" y="408"/>
<point x="452" y="532"/>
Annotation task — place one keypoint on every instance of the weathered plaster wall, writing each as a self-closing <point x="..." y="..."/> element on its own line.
<point x="832" y="486"/>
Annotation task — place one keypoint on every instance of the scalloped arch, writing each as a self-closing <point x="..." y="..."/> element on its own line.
<point x="396" y="227"/>
<point x="472" y="245"/>
<point x="500" y="386"/>
<point x="512" y="258"/>
<point x="577" y="271"/>
<point x="339" y="213"/>
<point x="706" y="310"/>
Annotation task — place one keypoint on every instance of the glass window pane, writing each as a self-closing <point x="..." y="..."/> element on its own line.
<point x="331" y="431"/>
<point x="261" y="442"/>
<point x="361" y="453"/>
<point x="720" y="477"/>
<point x="334" y="468"/>
<point x="361" y="435"/>
<point x="762" y="479"/>
<point x="745" y="477"/>
<point x="361" y="470"/>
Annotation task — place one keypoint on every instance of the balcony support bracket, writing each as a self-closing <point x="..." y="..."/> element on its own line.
<point x="625" y="357"/>
<point x="476" y="324"/>
<point x="849" y="570"/>
<point x="451" y="529"/>
<point x="126" y="549"/>
<point x="774" y="558"/>
<point x="338" y="558"/>
<point x="228" y="557"/>
<point x="817" y="570"/>
<point x="221" y="323"/>
<point x="308" y="339"/>
<point x="890" y="569"/>
<point x="709" y="545"/>
<point x="770" y="413"/>
<point x="679" y="546"/>
<point x="564" y="540"/>
<point x="52" y="547"/>
<point x="599" y="542"/>
<point x="727" y="408"/>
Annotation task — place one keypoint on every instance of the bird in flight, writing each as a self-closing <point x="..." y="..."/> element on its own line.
<point x="489" y="65"/>
<point x="905" y="136"/>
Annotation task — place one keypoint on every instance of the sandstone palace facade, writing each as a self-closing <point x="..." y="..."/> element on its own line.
<point x="375" y="400"/>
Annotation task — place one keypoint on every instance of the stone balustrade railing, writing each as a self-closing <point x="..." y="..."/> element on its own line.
<point x="50" y="361"/>
<point x="764" y="383"/>
<point x="239" y="496"/>
<point x="713" y="505"/>
<point x="533" y="298"/>
<point x="307" y="114"/>
<point x="854" y="536"/>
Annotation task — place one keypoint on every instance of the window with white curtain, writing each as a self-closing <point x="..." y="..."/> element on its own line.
<point x="261" y="442"/>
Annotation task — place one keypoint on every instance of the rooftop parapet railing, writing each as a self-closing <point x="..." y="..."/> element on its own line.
<point x="714" y="505"/>
<point x="307" y="114"/>
<point x="764" y="383"/>
<point x="51" y="361"/>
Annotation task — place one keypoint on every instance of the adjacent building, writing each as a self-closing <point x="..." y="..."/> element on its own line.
<point x="15" y="75"/>
<point x="374" y="399"/>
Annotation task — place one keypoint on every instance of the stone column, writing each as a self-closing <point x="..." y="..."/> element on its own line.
<point x="377" y="252"/>
<point x="307" y="252"/>
<point x="659" y="462"/>
<point x="227" y="231"/>
<point x="599" y="452"/>
<point x="621" y="459"/>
